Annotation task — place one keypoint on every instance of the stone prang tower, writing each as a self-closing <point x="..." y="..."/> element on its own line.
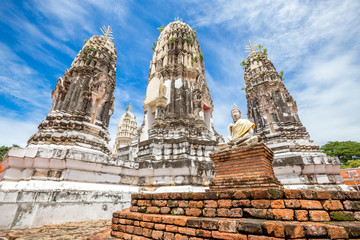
<point x="298" y="162"/>
<point x="178" y="101"/>
<point x="177" y="135"/>
<point x="83" y="100"/>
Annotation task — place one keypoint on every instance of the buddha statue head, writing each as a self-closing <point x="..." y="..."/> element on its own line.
<point x="235" y="113"/>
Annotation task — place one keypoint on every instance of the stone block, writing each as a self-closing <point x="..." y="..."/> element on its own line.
<point x="187" y="231"/>
<point x="294" y="231"/>
<point x="209" y="224"/>
<point x="209" y="212"/>
<point x="277" y="204"/>
<point x="224" y="203"/>
<point x="283" y="214"/>
<point x="332" y="205"/>
<point x="310" y="204"/>
<point x="342" y="216"/>
<point x="241" y="203"/>
<point x="352" y="205"/>
<point x="260" y="194"/>
<point x="301" y="215"/>
<point x="222" y="235"/>
<point x="273" y="229"/>
<point x="315" y="230"/>
<point x="318" y="216"/>
<point x="260" y="203"/>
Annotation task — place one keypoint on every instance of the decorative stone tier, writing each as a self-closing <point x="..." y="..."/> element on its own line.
<point x="241" y="214"/>
<point x="244" y="167"/>
<point x="43" y="185"/>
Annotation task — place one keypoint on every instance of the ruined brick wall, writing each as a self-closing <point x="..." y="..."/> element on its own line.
<point x="244" y="167"/>
<point x="240" y="214"/>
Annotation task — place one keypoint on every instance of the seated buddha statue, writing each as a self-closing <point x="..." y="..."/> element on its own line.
<point x="241" y="131"/>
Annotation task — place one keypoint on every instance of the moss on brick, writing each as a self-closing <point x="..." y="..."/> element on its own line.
<point x="342" y="216"/>
<point x="142" y="209"/>
<point x="276" y="193"/>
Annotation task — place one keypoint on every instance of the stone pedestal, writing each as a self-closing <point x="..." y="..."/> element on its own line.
<point x="244" y="167"/>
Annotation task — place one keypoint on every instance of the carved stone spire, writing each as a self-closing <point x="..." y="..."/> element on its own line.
<point x="83" y="100"/>
<point x="177" y="93"/>
<point x="270" y="105"/>
<point x="298" y="162"/>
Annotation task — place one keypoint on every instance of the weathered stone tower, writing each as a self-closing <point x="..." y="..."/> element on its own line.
<point x="177" y="99"/>
<point x="298" y="162"/>
<point x="177" y="134"/>
<point x="66" y="172"/>
<point x="126" y="130"/>
<point x="83" y="100"/>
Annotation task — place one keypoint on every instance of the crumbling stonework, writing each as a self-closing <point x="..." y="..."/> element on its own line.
<point x="243" y="168"/>
<point x="126" y="130"/>
<point x="83" y="100"/>
<point x="298" y="162"/>
<point x="240" y="214"/>
<point x="177" y="134"/>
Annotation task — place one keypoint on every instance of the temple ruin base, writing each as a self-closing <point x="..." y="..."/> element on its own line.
<point x="241" y="214"/>
<point x="48" y="185"/>
<point x="244" y="167"/>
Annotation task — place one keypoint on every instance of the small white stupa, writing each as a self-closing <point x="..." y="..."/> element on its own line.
<point x="126" y="130"/>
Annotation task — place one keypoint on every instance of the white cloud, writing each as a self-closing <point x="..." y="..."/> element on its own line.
<point x="314" y="44"/>
<point x="16" y="135"/>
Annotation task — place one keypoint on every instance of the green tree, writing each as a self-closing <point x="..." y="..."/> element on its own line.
<point x="5" y="149"/>
<point x="347" y="151"/>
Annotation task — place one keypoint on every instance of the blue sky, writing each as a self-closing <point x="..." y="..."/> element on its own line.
<point x="315" y="43"/>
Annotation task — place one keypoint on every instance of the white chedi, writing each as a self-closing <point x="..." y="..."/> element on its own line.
<point x="126" y="130"/>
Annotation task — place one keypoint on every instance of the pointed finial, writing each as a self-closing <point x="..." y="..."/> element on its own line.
<point x="178" y="19"/>
<point x="251" y="48"/>
<point x="129" y="108"/>
<point x="235" y="108"/>
<point x="107" y="32"/>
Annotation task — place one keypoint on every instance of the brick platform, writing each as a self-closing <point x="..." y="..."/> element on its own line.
<point x="241" y="214"/>
<point x="243" y="168"/>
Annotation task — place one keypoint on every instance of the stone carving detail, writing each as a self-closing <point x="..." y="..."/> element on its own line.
<point x="83" y="100"/>
<point x="298" y="162"/>
<point x="177" y="135"/>
<point x="177" y="93"/>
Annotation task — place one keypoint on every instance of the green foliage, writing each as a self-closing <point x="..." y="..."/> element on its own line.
<point x="172" y="40"/>
<point x="5" y="149"/>
<point x="85" y="41"/>
<point x="244" y="89"/>
<point x="194" y="31"/>
<point x="257" y="58"/>
<point x="265" y="52"/>
<point x="154" y="46"/>
<point x="189" y="39"/>
<point x="243" y="63"/>
<point x="281" y="75"/>
<point x="195" y="59"/>
<point x="348" y="152"/>
<point x="160" y="28"/>
<point x="260" y="47"/>
<point x="351" y="164"/>
<point x="87" y="51"/>
<point x="201" y="57"/>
